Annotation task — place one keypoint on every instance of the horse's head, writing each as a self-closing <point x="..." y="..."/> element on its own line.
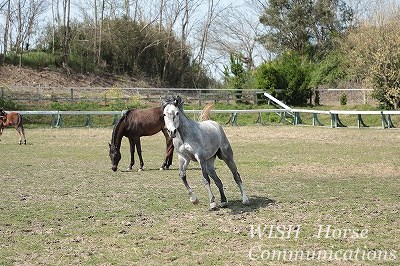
<point x="115" y="156"/>
<point x="172" y="107"/>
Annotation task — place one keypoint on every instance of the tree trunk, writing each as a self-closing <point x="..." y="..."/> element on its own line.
<point x="6" y="29"/>
<point x="67" y="38"/>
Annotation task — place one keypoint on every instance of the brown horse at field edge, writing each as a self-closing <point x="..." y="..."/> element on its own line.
<point x="134" y="124"/>
<point x="12" y="119"/>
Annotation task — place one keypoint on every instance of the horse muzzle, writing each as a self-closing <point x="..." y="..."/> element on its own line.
<point x="172" y="133"/>
<point x="114" y="168"/>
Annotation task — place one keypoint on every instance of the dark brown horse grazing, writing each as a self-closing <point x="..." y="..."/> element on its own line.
<point x="134" y="124"/>
<point x="12" y="119"/>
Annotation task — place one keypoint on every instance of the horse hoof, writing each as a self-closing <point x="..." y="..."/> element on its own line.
<point x="246" y="201"/>
<point x="140" y="170"/>
<point x="194" y="200"/>
<point x="223" y="204"/>
<point x="213" y="206"/>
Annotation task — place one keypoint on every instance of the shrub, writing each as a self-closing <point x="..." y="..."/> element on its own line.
<point x="33" y="59"/>
<point x="287" y="78"/>
<point x="343" y="99"/>
<point x="8" y="104"/>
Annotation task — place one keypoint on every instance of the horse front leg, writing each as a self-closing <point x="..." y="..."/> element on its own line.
<point x="132" y="150"/>
<point x="139" y="152"/>
<point x="183" y="164"/>
<point x="213" y="174"/>
<point x="206" y="180"/>
<point x="169" y="151"/>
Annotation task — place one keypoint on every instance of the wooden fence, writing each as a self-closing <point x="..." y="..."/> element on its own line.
<point x="106" y="95"/>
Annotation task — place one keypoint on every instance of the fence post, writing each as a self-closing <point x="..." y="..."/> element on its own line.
<point x="199" y="93"/>
<point x="315" y="120"/>
<point x="88" y="121"/>
<point x="38" y="94"/>
<point x="72" y="94"/>
<point x="259" y="118"/>
<point x="59" y="120"/>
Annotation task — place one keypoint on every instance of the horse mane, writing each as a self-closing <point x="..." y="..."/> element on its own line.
<point x="175" y="100"/>
<point x="117" y="126"/>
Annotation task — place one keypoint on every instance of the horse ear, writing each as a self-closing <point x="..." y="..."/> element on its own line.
<point x="177" y="101"/>
<point x="164" y="103"/>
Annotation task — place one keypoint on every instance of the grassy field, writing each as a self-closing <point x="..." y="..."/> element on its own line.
<point x="330" y="196"/>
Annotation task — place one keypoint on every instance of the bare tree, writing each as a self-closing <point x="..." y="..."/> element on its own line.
<point x="236" y="32"/>
<point x="6" y="27"/>
<point x="212" y="12"/>
<point x="373" y="53"/>
<point x="234" y="29"/>
<point x="21" y="21"/>
<point x="66" y="32"/>
<point x="98" y="28"/>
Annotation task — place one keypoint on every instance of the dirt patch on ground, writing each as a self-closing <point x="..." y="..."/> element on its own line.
<point x="14" y="76"/>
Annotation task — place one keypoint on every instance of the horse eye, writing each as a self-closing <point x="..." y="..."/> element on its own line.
<point x="177" y="113"/>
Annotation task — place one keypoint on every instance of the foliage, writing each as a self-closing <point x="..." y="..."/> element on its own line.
<point x="35" y="59"/>
<point x="307" y="27"/>
<point x="80" y="106"/>
<point x="329" y="71"/>
<point x="287" y="77"/>
<point x="269" y="78"/>
<point x="8" y="104"/>
<point x="130" y="47"/>
<point x="236" y="74"/>
<point x="343" y="99"/>
<point x="373" y="57"/>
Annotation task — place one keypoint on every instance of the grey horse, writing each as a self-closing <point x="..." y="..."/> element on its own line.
<point x="201" y="142"/>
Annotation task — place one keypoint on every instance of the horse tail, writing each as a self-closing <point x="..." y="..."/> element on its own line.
<point x="15" y="119"/>
<point x="20" y="127"/>
<point x="206" y="113"/>
<point x="19" y="123"/>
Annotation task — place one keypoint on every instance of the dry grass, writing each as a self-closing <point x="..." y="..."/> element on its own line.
<point x="62" y="205"/>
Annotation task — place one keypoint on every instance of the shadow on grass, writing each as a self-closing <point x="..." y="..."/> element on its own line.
<point x="158" y="169"/>
<point x="256" y="203"/>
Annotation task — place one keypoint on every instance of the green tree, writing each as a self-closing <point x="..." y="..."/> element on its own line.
<point x="329" y="71"/>
<point x="304" y="26"/>
<point x="236" y="74"/>
<point x="288" y="77"/>
<point x="270" y="79"/>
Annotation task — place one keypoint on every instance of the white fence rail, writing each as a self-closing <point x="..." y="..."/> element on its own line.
<point x="295" y="114"/>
